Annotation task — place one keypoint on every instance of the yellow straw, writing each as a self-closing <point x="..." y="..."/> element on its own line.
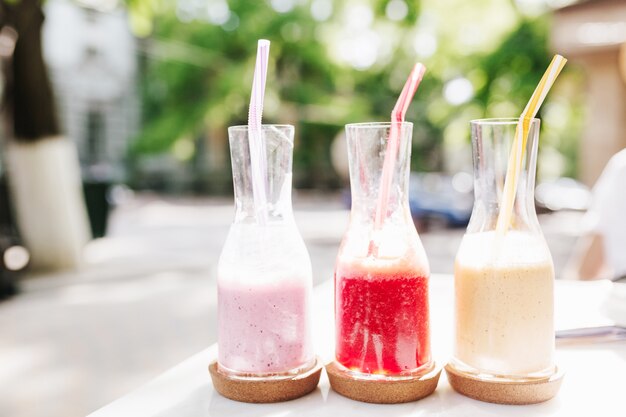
<point x="519" y="143"/>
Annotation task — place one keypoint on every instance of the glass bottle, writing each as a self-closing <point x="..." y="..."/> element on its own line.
<point x="504" y="282"/>
<point x="381" y="274"/>
<point x="264" y="272"/>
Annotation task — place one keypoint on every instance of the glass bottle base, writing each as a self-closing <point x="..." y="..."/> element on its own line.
<point x="380" y="376"/>
<point x="255" y="376"/>
<point x="488" y="376"/>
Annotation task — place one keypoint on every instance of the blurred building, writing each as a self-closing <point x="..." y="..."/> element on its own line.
<point x="92" y="58"/>
<point x="592" y="34"/>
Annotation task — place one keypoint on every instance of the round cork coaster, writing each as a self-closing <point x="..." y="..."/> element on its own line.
<point x="382" y="391"/>
<point x="505" y="392"/>
<point x="259" y="390"/>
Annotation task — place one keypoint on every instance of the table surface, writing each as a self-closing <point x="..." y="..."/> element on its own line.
<point x="594" y="384"/>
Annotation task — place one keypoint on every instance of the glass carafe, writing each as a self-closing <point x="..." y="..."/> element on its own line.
<point x="264" y="272"/>
<point x="503" y="281"/>
<point x="381" y="274"/>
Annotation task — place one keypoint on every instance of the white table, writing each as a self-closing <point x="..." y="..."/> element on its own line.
<point x="595" y="381"/>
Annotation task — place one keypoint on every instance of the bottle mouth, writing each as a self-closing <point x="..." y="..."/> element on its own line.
<point x="244" y="128"/>
<point x="376" y="125"/>
<point x="500" y="121"/>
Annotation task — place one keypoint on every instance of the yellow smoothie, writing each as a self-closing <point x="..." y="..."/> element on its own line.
<point x="504" y="304"/>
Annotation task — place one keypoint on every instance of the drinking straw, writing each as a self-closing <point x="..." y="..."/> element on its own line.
<point x="519" y="143"/>
<point x="397" y="117"/>
<point x="255" y="132"/>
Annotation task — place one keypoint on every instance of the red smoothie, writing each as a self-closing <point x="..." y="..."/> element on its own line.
<point x="381" y="318"/>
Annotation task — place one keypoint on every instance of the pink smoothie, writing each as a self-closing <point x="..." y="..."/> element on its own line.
<point x="263" y="329"/>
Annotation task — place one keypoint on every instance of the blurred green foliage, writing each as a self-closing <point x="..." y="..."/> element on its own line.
<point x="197" y="75"/>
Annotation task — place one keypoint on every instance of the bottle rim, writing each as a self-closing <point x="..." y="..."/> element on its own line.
<point x="372" y="125"/>
<point x="501" y="121"/>
<point x="244" y="128"/>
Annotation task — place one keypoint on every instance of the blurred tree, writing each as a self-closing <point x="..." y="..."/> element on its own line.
<point x="205" y="85"/>
<point x="511" y="70"/>
<point x="29" y="102"/>
<point x="334" y="62"/>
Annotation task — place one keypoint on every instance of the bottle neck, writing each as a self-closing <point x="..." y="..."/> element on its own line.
<point x="367" y="149"/>
<point x="492" y="141"/>
<point x="276" y="202"/>
<point x="364" y="207"/>
<point x="277" y="208"/>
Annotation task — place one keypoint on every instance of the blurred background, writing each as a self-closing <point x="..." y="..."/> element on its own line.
<point x="115" y="181"/>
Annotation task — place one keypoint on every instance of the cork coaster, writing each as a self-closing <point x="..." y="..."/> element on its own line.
<point x="383" y="391"/>
<point x="505" y="392"/>
<point x="258" y="390"/>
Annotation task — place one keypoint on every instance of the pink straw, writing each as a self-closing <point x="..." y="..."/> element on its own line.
<point x="255" y="132"/>
<point x="397" y="117"/>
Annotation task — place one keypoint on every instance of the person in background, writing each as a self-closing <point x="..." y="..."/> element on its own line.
<point x="601" y="251"/>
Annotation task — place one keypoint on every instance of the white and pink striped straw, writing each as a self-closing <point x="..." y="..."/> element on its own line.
<point x="393" y="143"/>
<point x="255" y="132"/>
